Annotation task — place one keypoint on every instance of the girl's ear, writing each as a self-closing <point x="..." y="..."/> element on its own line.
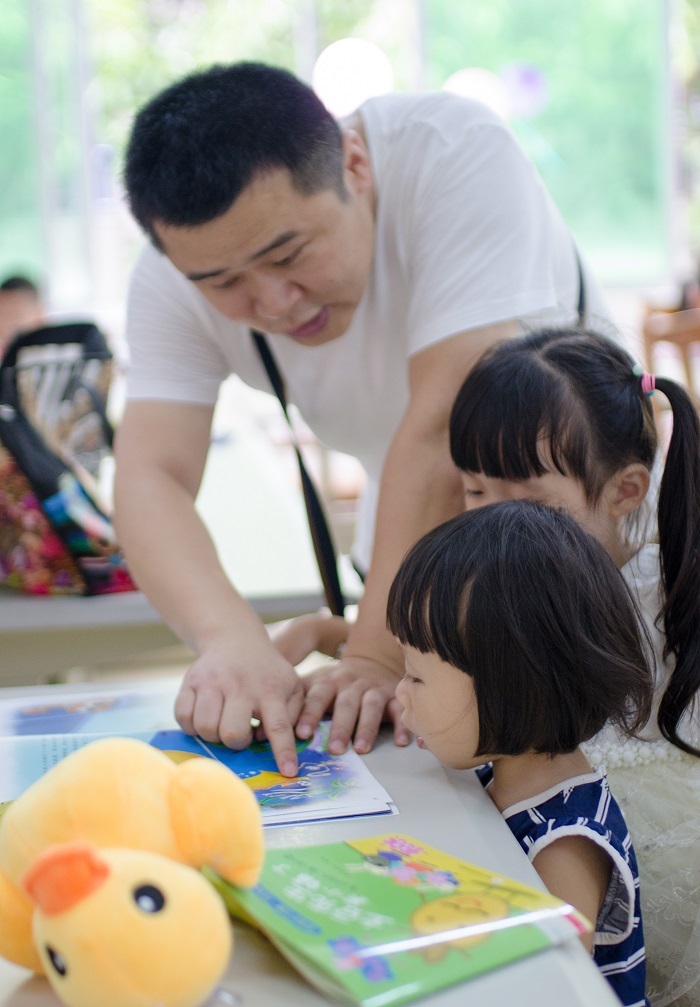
<point x="627" y="489"/>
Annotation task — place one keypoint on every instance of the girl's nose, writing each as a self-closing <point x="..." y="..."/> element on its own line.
<point x="401" y="692"/>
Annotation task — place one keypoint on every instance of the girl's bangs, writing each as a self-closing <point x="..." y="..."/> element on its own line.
<point x="429" y="596"/>
<point x="516" y="425"/>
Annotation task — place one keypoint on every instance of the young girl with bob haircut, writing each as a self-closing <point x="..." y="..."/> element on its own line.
<point x="520" y="642"/>
<point x="565" y="417"/>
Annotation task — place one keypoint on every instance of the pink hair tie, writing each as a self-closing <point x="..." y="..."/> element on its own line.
<point x="648" y="383"/>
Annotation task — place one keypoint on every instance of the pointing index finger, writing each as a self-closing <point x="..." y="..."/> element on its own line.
<point x="278" y="729"/>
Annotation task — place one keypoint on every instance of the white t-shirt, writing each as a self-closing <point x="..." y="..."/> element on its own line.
<point x="466" y="236"/>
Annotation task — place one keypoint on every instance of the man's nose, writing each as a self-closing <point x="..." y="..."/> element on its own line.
<point x="275" y="297"/>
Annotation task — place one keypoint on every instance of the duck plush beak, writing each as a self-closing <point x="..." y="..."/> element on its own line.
<point x="64" y="875"/>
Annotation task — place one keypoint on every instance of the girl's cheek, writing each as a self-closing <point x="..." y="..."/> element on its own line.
<point x="403" y="694"/>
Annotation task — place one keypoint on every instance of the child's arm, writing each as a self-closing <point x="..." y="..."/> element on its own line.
<point x="317" y="632"/>
<point x="578" y="871"/>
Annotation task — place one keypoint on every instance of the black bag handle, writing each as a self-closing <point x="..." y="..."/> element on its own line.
<point x="318" y="525"/>
<point x="86" y="334"/>
<point x="93" y="345"/>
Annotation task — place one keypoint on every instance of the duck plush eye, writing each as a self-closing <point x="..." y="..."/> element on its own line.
<point x="56" y="960"/>
<point x="149" y="899"/>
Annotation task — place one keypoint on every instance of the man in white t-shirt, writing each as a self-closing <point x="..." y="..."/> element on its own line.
<point x="380" y="260"/>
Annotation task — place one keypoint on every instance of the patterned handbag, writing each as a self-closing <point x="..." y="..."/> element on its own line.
<point x="56" y="536"/>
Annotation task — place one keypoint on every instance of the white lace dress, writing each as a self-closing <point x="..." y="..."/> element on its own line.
<point x="658" y="788"/>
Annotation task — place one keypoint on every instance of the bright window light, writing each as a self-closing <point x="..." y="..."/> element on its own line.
<point x="348" y="72"/>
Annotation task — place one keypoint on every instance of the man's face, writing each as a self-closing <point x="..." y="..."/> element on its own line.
<point x="281" y="261"/>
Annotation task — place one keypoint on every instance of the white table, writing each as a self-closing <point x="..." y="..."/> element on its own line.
<point x="443" y="808"/>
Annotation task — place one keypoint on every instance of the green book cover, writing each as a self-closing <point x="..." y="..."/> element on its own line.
<point x="386" y="920"/>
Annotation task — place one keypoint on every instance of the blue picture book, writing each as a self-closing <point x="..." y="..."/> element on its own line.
<point x="37" y="733"/>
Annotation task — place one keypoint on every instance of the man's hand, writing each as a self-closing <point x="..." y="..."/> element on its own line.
<point x="237" y="680"/>
<point x="362" y="693"/>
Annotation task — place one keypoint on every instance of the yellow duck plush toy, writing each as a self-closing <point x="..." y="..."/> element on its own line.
<point x="97" y="886"/>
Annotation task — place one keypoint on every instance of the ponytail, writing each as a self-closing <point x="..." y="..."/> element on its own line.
<point x="679" y="539"/>
<point x="586" y="397"/>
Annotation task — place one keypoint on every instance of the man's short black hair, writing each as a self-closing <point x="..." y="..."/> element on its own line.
<point x="529" y="605"/>
<point x="197" y="145"/>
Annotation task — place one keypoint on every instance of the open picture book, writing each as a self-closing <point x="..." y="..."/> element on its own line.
<point x="37" y="733"/>
<point x="389" y="919"/>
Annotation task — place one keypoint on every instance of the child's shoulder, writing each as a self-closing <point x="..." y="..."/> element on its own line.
<point x="587" y="794"/>
<point x="579" y="805"/>
<point x="582" y="805"/>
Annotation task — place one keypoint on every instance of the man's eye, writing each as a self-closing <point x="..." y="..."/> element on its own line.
<point x="473" y="493"/>
<point x="227" y="284"/>
<point x="288" y="259"/>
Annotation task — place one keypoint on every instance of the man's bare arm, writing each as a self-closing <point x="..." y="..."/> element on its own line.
<point x="161" y="451"/>
<point x="420" y="488"/>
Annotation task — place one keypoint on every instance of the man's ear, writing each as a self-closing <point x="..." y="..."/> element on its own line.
<point x="356" y="163"/>
<point x="627" y="489"/>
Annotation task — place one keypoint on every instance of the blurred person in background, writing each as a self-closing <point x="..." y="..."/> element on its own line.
<point x="21" y="309"/>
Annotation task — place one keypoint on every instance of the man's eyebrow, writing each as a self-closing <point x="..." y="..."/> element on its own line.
<point x="205" y="276"/>
<point x="281" y="239"/>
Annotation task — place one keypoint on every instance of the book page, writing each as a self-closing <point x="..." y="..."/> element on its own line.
<point x="385" y="920"/>
<point x="37" y="732"/>
<point x="105" y="711"/>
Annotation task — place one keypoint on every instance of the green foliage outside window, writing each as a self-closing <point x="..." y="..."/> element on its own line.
<point x="20" y="223"/>
<point x="140" y="46"/>
<point x="599" y="137"/>
<point x="599" y="140"/>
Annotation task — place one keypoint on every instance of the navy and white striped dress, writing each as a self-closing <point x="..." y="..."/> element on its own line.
<point x="584" y="806"/>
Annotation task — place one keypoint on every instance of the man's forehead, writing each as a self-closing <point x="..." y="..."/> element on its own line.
<point x="269" y="214"/>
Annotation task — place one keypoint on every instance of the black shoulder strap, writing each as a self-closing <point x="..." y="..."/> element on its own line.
<point x="318" y="525"/>
<point x="581" y="305"/>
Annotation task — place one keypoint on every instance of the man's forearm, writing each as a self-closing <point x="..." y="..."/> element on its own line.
<point x="420" y="489"/>
<point x="175" y="563"/>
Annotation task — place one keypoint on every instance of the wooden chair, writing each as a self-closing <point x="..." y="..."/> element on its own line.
<point x="681" y="329"/>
